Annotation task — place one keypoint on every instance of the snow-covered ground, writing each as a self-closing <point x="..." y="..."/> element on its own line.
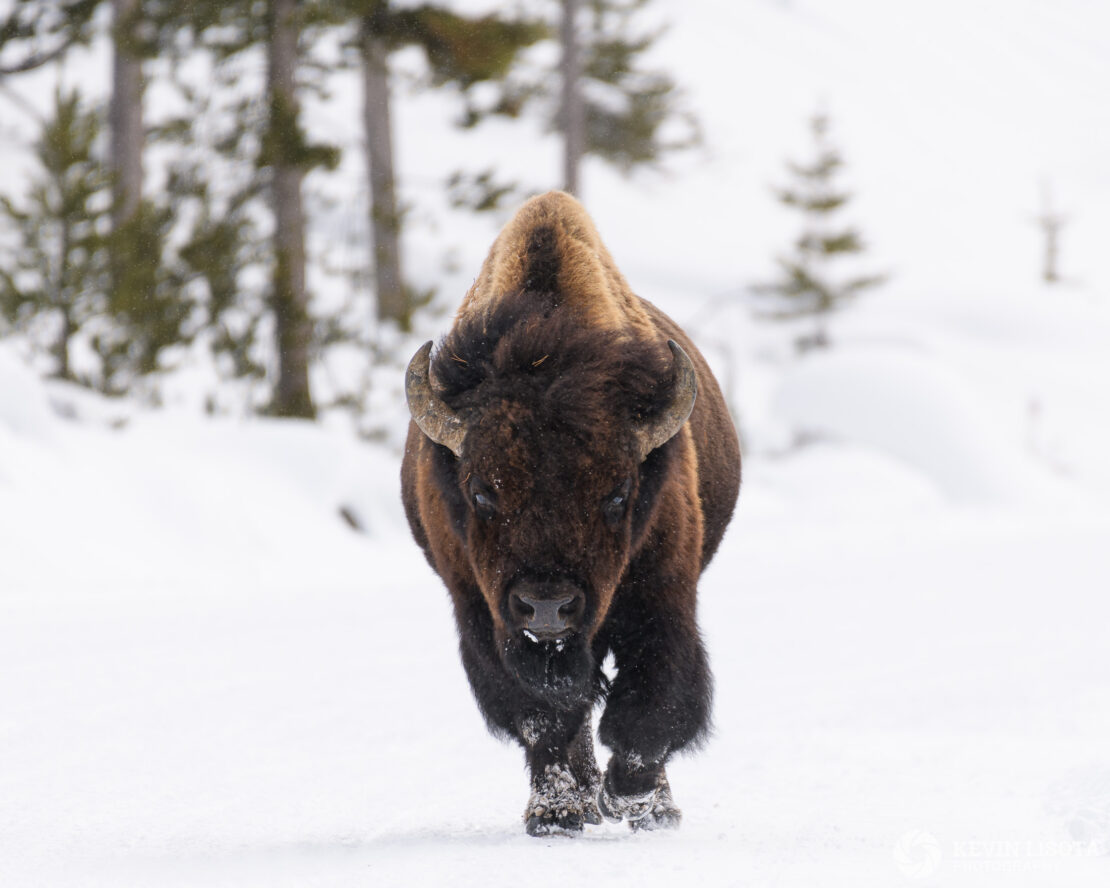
<point x="207" y="677"/>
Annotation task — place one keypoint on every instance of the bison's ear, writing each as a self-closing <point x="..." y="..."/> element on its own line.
<point x="435" y="419"/>
<point x="665" y="425"/>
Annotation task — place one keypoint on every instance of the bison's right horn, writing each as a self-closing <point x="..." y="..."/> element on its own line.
<point x="435" y="419"/>
<point x="666" y="425"/>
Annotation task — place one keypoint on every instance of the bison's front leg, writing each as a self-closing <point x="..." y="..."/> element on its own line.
<point x="564" y="774"/>
<point x="659" y="703"/>
<point x="558" y="741"/>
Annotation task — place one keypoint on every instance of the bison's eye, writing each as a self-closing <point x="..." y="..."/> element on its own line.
<point x="482" y="498"/>
<point x="614" y="506"/>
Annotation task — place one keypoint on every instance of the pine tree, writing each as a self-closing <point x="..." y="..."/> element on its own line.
<point x="263" y="157"/>
<point x="601" y="97"/>
<point x="125" y="111"/>
<point x="620" y="111"/>
<point x="52" y="284"/>
<point x="72" y="276"/>
<point x="147" y="308"/>
<point x="807" y="286"/>
<point x="571" y="119"/>
<point x="1051" y="224"/>
<point x="461" y="51"/>
<point x="147" y="299"/>
<point x="142" y="310"/>
<point x="216" y="187"/>
<point x="392" y="297"/>
<point x="222" y="252"/>
<point x="285" y="150"/>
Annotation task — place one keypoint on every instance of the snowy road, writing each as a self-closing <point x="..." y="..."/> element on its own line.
<point x="939" y="681"/>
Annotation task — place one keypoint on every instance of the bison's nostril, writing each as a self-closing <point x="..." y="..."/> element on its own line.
<point x="571" y="609"/>
<point x="520" y="607"/>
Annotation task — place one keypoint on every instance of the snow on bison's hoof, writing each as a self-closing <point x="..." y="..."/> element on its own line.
<point x="651" y="810"/>
<point x="560" y="805"/>
<point x="664" y="813"/>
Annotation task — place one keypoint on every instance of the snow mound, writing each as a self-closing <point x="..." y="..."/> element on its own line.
<point x="24" y="409"/>
<point x="917" y="411"/>
<point x="170" y="497"/>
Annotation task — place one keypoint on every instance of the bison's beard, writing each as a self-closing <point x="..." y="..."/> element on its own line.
<point x="560" y="673"/>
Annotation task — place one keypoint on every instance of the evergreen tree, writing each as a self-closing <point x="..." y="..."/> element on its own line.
<point x="286" y="151"/>
<point x="807" y="286"/>
<point x="142" y="311"/>
<point x="572" y="109"/>
<point x="147" y="308"/>
<point x="630" y="116"/>
<point x="73" y="277"/>
<point x="601" y="98"/>
<point x="222" y="251"/>
<point x="263" y="159"/>
<point x="629" y="132"/>
<point x="52" y="284"/>
<point x="216" y="185"/>
<point x="125" y="110"/>
<point x="147" y="300"/>
<point x="1051" y="224"/>
<point x="461" y="51"/>
<point x="392" y="297"/>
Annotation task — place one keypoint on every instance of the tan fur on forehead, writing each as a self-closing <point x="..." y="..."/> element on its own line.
<point x="555" y="231"/>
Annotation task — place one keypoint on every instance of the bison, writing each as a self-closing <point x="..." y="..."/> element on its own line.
<point x="569" y="471"/>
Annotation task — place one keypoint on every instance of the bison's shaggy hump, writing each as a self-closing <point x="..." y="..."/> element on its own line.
<point x="543" y="262"/>
<point x="551" y="245"/>
<point x="530" y="348"/>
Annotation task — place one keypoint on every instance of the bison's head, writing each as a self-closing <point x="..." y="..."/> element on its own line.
<point x="551" y="457"/>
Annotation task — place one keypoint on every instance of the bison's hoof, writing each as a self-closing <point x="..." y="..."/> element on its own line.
<point x="559" y="805"/>
<point x="617" y="807"/>
<point x="664" y="813"/>
<point x="650" y="810"/>
<point x="552" y="823"/>
<point x="540" y="820"/>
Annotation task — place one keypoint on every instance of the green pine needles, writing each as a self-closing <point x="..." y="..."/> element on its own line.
<point x="809" y="284"/>
<point x="52" y="283"/>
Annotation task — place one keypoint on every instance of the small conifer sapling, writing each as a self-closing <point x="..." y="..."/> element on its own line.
<point x="809" y="284"/>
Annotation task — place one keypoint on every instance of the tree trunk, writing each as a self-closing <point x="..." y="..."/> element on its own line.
<point x="1051" y="251"/>
<point x="125" y="118"/>
<point x="573" y="112"/>
<point x="61" y="345"/>
<point x="1051" y="223"/>
<point x="62" y="299"/>
<point x="385" y="222"/>
<point x="293" y="326"/>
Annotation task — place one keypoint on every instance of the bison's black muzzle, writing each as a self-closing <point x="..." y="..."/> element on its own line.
<point x="547" y="611"/>
<point x="547" y="648"/>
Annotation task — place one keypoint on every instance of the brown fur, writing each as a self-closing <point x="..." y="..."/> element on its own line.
<point x="586" y="277"/>
<point x="553" y="361"/>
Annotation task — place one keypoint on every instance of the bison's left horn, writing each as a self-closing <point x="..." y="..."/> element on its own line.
<point x="435" y="419"/>
<point x="666" y="424"/>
